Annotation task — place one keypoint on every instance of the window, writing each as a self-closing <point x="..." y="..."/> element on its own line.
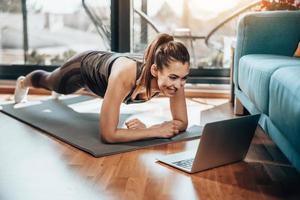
<point x="189" y="21"/>
<point x="57" y="29"/>
<point x="11" y="32"/>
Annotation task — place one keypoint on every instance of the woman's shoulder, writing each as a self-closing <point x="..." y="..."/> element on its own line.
<point x="124" y="69"/>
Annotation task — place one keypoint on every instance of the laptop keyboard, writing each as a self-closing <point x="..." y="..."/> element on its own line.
<point x="185" y="163"/>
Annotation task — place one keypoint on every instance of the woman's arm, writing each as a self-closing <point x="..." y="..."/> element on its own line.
<point x="109" y="120"/>
<point x="179" y="110"/>
<point x="119" y="85"/>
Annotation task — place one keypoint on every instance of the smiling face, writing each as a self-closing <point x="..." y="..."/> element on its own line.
<point x="171" y="78"/>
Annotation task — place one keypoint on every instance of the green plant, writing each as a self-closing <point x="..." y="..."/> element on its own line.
<point x="36" y="58"/>
<point x="58" y="59"/>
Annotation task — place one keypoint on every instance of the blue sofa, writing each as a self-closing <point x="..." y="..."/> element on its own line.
<point x="267" y="76"/>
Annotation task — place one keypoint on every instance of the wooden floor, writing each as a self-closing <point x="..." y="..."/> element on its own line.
<point x="34" y="165"/>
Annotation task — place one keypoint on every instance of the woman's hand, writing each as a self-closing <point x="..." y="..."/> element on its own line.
<point x="168" y="129"/>
<point x="135" y="124"/>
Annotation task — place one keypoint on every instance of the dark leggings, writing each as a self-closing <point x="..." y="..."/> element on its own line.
<point x="63" y="80"/>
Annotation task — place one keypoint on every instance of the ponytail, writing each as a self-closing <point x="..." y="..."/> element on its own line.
<point x="161" y="51"/>
<point x="149" y="58"/>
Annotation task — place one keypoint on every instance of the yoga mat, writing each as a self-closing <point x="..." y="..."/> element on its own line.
<point x="75" y="120"/>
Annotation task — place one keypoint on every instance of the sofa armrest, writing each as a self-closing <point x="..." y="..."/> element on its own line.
<point x="271" y="32"/>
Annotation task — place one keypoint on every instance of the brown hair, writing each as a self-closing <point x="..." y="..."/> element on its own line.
<point x="161" y="51"/>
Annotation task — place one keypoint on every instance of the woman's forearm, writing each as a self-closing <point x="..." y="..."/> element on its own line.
<point x="127" y="135"/>
<point x="182" y="126"/>
<point x="165" y="130"/>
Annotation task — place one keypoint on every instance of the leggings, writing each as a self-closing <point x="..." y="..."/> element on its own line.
<point x="63" y="80"/>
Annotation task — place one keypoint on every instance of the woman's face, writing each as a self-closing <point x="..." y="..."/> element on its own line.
<point x="170" y="79"/>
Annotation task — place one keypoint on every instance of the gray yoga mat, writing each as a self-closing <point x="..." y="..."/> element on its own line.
<point x="81" y="130"/>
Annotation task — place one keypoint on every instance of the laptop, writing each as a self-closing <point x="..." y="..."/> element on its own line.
<point x="221" y="143"/>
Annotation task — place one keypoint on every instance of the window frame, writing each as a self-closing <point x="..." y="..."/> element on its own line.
<point x="120" y="42"/>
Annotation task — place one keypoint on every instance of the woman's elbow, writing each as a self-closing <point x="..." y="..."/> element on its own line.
<point x="108" y="137"/>
<point x="184" y="126"/>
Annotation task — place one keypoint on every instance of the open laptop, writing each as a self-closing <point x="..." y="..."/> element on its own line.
<point x="221" y="143"/>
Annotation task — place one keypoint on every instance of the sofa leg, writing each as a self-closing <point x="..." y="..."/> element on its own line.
<point x="238" y="107"/>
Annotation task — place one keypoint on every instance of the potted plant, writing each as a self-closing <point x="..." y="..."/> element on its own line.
<point x="269" y="5"/>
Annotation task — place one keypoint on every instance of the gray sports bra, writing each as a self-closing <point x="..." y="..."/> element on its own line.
<point x="96" y="67"/>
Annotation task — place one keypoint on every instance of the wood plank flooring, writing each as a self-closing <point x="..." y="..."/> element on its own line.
<point x="34" y="165"/>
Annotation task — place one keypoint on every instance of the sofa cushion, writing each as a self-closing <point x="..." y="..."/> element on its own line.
<point x="284" y="108"/>
<point x="254" y="75"/>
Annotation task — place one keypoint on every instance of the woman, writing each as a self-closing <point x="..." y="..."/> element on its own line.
<point x="121" y="78"/>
